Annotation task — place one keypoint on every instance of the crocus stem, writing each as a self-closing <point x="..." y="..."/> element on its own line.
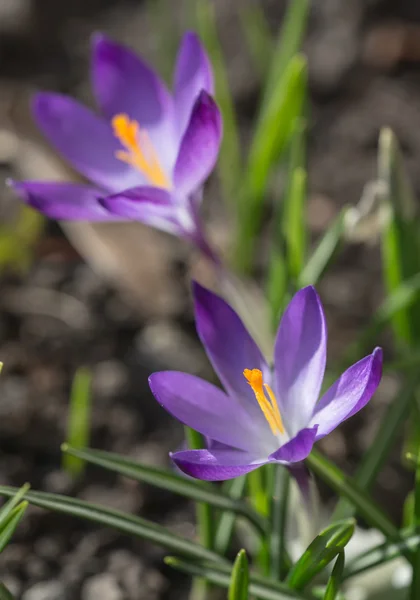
<point x="258" y="493"/>
<point x="204" y="516"/>
<point x="278" y="519"/>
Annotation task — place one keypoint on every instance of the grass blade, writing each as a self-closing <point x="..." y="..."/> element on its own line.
<point x="227" y="519"/>
<point x="126" y="523"/>
<point x="9" y="526"/>
<point x="238" y="589"/>
<point x="78" y="428"/>
<point x="289" y="237"/>
<point x="205" y="521"/>
<point x="271" y="137"/>
<point x="7" y="509"/>
<point x="324" y="253"/>
<point x="189" y="488"/>
<point x="334" y="581"/>
<point x="279" y="506"/>
<point x="324" y="548"/>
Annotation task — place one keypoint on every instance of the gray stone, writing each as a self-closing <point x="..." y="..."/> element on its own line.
<point x="102" y="587"/>
<point x="46" y="590"/>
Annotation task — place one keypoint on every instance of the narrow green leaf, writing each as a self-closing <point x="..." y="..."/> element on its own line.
<point x="9" y="506"/>
<point x="324" y="548"/>
<point x="333" y="585"/>
<point x="295" y="223"/>
<point x="271" y="137"/>
<point x="377" y="454"/>
<point x="346" y="487"/>
<point x="324" y="253"/>
<point x="221" y="575"/>
<point x="8" y="527"/>
<point x="126" y="523"/>
<point x="78" y="428"/>
<point x="278" y="512"/>
<point x="289" y="235"/>
<point x="227" y="519"/>
<point x="204" y="514"/>
<point x="383" y="553"/>
<point x="189" y="488"/>
<point x="278" y="283"/>
<point x="204" y="518"/>
<point x="289" y="42"/>
<point x="4" y="593"/>
<point x="238" y="589"/>
<point x="229" y="164"/>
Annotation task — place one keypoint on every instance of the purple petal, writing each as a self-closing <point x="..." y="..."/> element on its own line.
<point x="350" y="393"/>
<point x="150" y="205"/>
<point x="216" y="465"/>
<point x="299" y="358"/>
<point x="229" y="347"/>
<point x="199" y="146"/>
<point x="123" y="83"/>
<point x="64" y="201"/>
<point x="298" y="448"/>
<point x="193" y="73"/>
<point x="205" y="408"/>
<point x="85" y="140"/>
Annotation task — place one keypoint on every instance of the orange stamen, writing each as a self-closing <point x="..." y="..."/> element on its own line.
<point x="270" y="408"/>
<point x="140" y="153"/>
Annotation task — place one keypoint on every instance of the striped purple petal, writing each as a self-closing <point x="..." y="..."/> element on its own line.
<point x="85" y="140"/>
<point x="193" y="73"/>
<point x="349" y="394"/>
<point x="199" y="146"/>
<point x="123" y="83"/>
<point x="299" y="358"/>
<point x="64" y="201"/>
<point x="216" y="465"/>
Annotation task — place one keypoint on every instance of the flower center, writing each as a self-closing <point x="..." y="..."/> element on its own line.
<point x="139" y="152"/>
<point x="268" y="405"/>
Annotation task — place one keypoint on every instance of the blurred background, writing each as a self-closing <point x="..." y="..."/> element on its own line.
<point x="115" y="298"/>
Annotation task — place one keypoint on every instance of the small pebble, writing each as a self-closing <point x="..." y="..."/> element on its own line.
<point x="102" y="587"/>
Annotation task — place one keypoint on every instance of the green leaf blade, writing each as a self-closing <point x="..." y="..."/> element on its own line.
<point x="334" y="581"/>
<point x="189" y="488"/>
<point x="324" y="548"/>
<point x="238" y="589"/>
<point x="126" y="523"/>
<point x="78" y="429"/>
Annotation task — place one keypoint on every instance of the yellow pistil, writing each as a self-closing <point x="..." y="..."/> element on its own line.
<point x="140" y="152"/>
<point x="269" y="407"/>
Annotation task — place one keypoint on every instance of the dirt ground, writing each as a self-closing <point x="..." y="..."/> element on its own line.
<point x="129" y="319"/>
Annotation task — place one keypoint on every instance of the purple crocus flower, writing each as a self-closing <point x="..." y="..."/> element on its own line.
<point x="266" y="415"/>
<point x="148" y="152"/>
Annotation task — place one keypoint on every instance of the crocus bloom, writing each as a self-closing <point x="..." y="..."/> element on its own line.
<point x="148" y="152"/>
<point x="266" y="415"/>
